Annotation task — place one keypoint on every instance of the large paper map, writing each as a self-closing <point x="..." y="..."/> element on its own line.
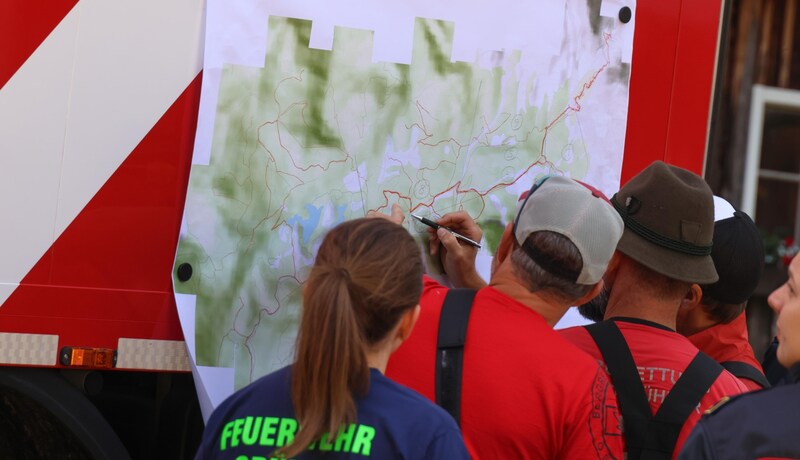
<point x="310" y="136"/>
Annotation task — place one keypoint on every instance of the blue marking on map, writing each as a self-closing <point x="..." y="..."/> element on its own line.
<point x="340" y="213"/>
<point x="309" y="224"/>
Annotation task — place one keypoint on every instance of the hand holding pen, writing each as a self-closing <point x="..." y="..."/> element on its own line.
<point x="459" y="224"/>
<point x="437" y="226"/>
<point x="455" y="241"/>
<point x="458" y="260"/>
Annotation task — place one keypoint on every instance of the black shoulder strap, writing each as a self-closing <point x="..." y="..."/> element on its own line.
<point x="634" y="407"/>
<point x="450" y="349"/>
<point x="746" y="371"/>
<point x="651" y="436"/>
<point x="682" y="399"/>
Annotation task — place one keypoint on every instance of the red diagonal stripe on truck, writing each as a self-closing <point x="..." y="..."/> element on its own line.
<point x="108" y="274"/>
<point x="24" y="24"/>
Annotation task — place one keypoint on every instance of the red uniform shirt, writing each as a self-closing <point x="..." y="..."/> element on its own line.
<point x="526" y="392"/>
<point x="661" y="355"/>
<point x="729" y="342"/>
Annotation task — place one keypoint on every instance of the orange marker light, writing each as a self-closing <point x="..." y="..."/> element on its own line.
<point x="88" y="357"/>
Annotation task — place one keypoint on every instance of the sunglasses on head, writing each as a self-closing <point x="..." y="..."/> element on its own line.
<point x="536" y="184"/>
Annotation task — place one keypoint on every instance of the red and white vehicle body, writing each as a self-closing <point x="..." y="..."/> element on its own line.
<point x="98" y="102"/>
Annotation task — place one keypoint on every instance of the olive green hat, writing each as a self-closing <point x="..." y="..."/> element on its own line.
<point x="669" y="222"/>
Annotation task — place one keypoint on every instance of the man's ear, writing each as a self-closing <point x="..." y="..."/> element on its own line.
<point x="407" y="322"/>
<point x="613" y="264"/>
<point x="506" y="244"/>
<point x="591" y="294"/>
<point x="692" y="298"/>
<point x="691" y="317"/>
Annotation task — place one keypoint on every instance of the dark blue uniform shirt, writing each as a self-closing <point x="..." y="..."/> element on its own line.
<point x="759" y="425"/>
<point x="393" y="422"/>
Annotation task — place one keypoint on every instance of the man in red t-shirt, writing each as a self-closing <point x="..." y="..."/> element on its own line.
<point x="526" y="393"/>
<point x="664" y="254"/>
<point x="717" y="324"/>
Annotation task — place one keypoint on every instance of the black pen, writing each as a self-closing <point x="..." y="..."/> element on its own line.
<point x="436" y="226"/>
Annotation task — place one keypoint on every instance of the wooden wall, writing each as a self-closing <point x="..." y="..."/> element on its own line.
<point x="759" y="44"/>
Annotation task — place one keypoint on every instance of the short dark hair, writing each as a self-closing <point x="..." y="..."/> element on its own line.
<point x="562" y="252"/>
<point x="720" y="311"/>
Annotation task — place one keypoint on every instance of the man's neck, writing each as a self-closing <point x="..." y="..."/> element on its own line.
<point x="630" y="299"/>
<point x="696" y="321"/>
<point x="504" y="280"/>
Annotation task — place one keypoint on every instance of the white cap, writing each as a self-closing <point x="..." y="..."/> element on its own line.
<point x="577" y="211"/>
<point x="722" y="209"/>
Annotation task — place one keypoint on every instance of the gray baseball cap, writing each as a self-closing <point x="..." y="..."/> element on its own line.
<point x="577" y="211"/>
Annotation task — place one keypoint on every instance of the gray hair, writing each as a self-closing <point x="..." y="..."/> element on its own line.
<point x="561" y="251"/>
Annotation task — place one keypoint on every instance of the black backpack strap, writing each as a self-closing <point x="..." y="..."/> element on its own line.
<point x="453" y="322"/>
<point x="632" y="399"/>
<point x="746" y="371"/>
<point x="651" y="436"/>
<point x="682" y="399"/>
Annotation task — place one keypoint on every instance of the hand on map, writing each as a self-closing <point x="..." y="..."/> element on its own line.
<point x="458" y="260"/>
<point x="396" y="216"/>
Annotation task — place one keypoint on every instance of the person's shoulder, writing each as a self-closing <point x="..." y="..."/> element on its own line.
<point x="273" y="383"/>
<point x="641" y="334"/>
<point x="422" y="427"/>
<point x="390" y="394"/>
<point x="637" y="327"/>
<point x="767" y="401"/>
<point x="577" y="338"/>
<point x="429" y="283"/>
<point x="573" y="332"/>
<point x="729" y="385"/>
<point x="433" y="294"/>
<point x="761" y="409"/>
<point x="572" y="345"/>
<point x="276" y="379"/>
<point x="760" y="422"/>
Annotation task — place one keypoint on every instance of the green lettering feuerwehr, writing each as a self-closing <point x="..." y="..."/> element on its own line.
<point x="286" y="431"/>
<point x="363" y="443"/>
<point x="251" y="430"/>
<point x="324" y="444"/>
<point x="237" y="431"/>
<point x="345" y="439"/>
<point x="227" y="432"/>
<point x="279" y="432"/>
<point x="269" y="428"/>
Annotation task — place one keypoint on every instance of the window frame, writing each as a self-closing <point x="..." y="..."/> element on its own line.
<point x="763" y="98"/>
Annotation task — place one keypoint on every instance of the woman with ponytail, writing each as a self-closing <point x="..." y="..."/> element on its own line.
<point x="360" y="302"/>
